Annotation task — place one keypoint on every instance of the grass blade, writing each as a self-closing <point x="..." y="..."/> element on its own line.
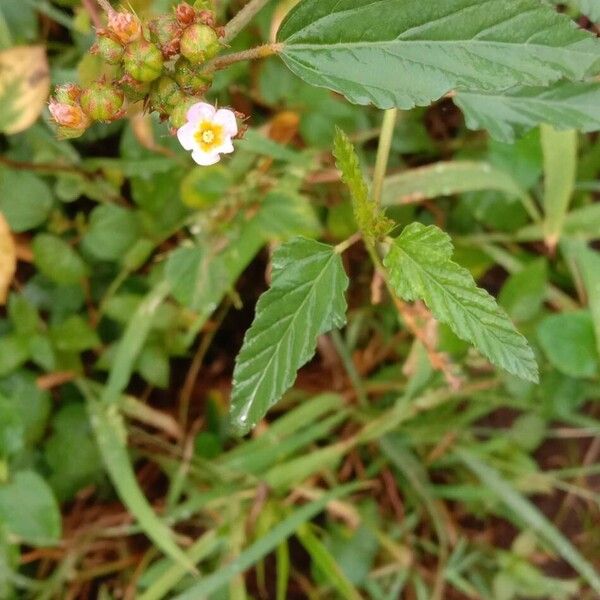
<point x="264" y="545"/>
<point x="109" y="429"/>
<point x="531" y="516"/>
<point x="327" y="564"/>
<point x="131" y="343"/>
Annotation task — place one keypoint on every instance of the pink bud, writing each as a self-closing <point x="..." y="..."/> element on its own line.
<point x="125" y="26"/>
<point x="185" y="14"/>
<point x="70" y="116"/>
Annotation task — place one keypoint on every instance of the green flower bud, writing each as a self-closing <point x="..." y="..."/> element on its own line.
<point x="190" y="79"/>
<point x="102" y="102"/>
<point x="178" y="116"/>
<point x="165" y="31"/>
<point x="67" y="94"/>
<point x="166" y="95"/>
<point x="199" y="43"/>
<point x="134" y="90"/>
<point x="110" y="50"/>
<point x="143" y="60"/>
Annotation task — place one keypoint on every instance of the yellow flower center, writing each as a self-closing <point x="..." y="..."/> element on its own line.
<point x="209" y="136"/>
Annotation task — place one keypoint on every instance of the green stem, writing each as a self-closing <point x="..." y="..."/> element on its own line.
<point x="242" y="19"/>
<point x="253" y="54"/>
<point x="383" y="153"/>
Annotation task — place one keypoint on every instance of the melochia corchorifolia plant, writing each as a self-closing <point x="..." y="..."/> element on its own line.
<point x="508" y="64"/>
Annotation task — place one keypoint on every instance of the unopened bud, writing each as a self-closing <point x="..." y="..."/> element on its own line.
<point x="110" y="50"/>
<point x="189" y="77"/>
<point x="166" y="95"/>
<point x="199" y="43"/>
<point x="125" y="26"/>
<point x="166" y="32"/>
<point x="134" y="90"/>
<point x="67" y="94"/>
<point x="207" y="17"/>
<point x="102" y="102"/>
<point x="143" y="60"/>
<point x="185" y="14"/>
<point x="178" y="116"/>
<point x="68" y="115"/>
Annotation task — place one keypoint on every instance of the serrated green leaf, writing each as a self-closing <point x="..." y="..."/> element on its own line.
<point x="445" y="179"/>
<point x="420" y="267"/>
<point x="512" y="113"/>
<point x="306" y="299"/>
<point x="412" y="52"/>
<point x="202" y="275"/>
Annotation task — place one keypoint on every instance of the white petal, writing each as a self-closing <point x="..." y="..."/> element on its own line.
<point x="200" y="111"/>
<point x="186" y="136"/>
<point x="205" y="159"/>
<point x="226" y="118"/>
<point x="225" y="148"/>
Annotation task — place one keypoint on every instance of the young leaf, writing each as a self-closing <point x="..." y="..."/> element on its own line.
<point x="512" y="113"/>
<point x="412" y="52"/>
<point x="368" y="219"/>
<point x="306" y="299"/>
<point x="420" y="267"/>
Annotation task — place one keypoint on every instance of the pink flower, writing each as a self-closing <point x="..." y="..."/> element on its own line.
<point x="207" y="133"/>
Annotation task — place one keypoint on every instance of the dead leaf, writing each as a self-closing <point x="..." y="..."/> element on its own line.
<point x="24" y="87"/>
<point x="8" y="259"/>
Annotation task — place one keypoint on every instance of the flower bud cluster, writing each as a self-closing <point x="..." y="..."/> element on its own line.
<point x="158" y="62"/>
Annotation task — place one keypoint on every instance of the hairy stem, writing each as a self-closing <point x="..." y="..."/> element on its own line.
<point x="254" y="53"/>
<point x="242" y="19"/>
<point x="383" y="153"/>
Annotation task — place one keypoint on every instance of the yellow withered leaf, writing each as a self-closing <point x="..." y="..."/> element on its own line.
<point x="24" y="87"/>
<point x="8" y="259"/>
